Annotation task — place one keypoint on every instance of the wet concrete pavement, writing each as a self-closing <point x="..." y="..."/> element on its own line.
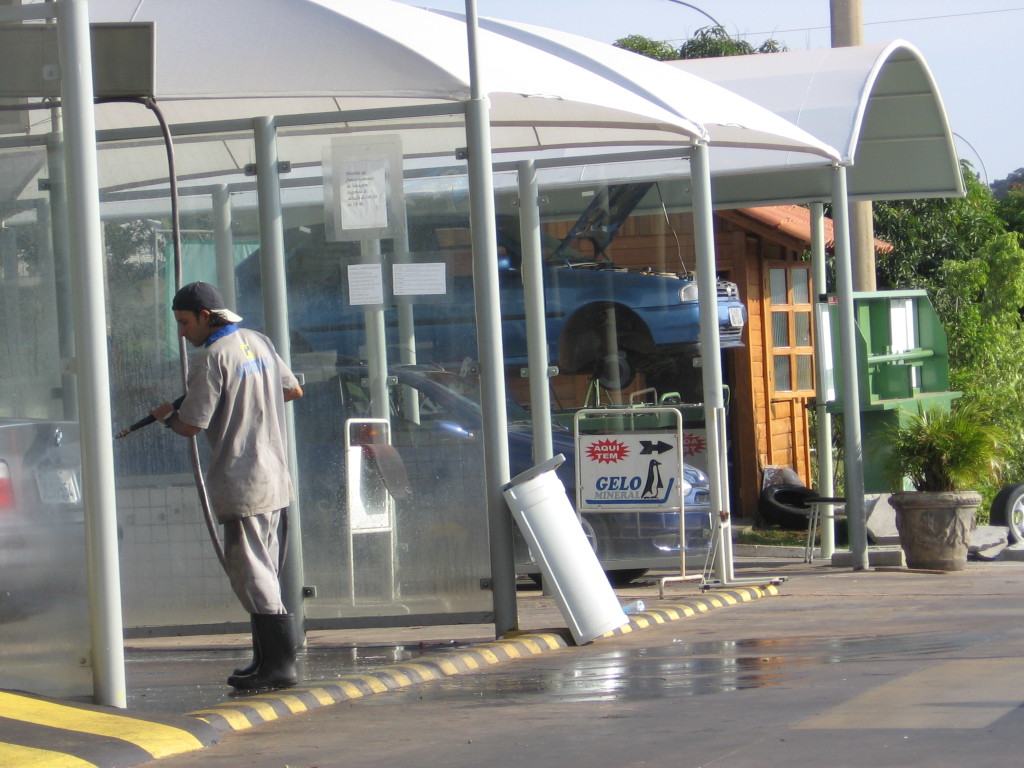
<point x="184" y="674"/>
<point x="882" y="668"/>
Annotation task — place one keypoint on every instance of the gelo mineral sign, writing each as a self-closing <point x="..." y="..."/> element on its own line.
<point x="634" y="470"/>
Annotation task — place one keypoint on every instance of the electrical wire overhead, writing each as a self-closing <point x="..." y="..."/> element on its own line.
<point x="698" y="10"/>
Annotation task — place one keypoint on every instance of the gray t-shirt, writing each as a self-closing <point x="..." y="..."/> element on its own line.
<point x="236" y="393"/>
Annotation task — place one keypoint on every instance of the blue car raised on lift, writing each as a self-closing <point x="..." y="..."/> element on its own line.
<point x="601" y="319"/>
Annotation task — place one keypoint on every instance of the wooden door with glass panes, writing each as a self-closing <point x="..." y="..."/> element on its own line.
<point x="791" y="319"/>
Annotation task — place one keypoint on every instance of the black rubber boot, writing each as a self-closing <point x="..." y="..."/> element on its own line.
<point x="254" y="664"/>
<point x="276" y="639"/>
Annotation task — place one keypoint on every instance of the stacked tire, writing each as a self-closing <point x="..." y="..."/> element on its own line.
<point x="785" y="505"/>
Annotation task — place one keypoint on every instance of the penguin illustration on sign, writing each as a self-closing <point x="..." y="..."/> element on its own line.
<point x="654" y="486"/>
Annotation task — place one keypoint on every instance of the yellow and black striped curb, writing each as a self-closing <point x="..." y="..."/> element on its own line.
<point x="47" y="733"/>
<point x="242" y="713"/>
<point x="693" y="606"/>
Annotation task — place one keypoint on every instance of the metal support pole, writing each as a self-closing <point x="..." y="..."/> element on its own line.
<point x="489" y="345"/>
<point x="826" y="482"/>
<point x="711" y="367"/>
<point x="533" y="294"/>
<point x="82" y="175"/>
<point x="407" y="336"/>
<point x="62" y="266"/>
<point x="47" y="268"/>
<point x="275" y="314"/>
<point x="854" y="459"/>
<point x="10" y="297"/>
<point x="710" y="344"/>
<point x="376" y="341"/>
<point x="224" y="245"/>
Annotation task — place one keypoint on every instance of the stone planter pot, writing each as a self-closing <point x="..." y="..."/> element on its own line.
<point x="935" y="528"/>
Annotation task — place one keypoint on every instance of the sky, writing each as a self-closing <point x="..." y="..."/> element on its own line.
<point x="971" y="46"/>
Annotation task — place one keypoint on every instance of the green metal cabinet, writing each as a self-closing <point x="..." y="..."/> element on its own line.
<point x="902" y="365"/>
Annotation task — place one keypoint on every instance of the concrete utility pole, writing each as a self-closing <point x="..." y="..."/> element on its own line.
<point x="847" y="29"/>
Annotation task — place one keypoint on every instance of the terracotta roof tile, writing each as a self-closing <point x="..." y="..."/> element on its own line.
<point x="795" y="221"/>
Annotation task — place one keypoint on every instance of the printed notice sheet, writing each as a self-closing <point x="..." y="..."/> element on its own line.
<point x="363" y="197"/>
<point x="365" y="284"/>
<point x="419" y="279"/>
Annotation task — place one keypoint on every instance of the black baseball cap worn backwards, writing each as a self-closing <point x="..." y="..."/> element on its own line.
<point x="195" y="297"/>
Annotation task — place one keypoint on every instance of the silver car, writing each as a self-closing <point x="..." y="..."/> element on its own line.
<point x="42" y="537"/>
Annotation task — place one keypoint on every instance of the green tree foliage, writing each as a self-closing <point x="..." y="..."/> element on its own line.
<point x="134" y="258"/>
<point x="711" y="42"/>
<point x="131" y="249"/>
<point x="942" y="450"/>
<point x="645" y="46"/>
<point x="927" y="233"/>
<point x="1002" y="187"/>
<point x="707" y="42"/>
<point x="972" y="266"/>
<point x="1011" y="205"/>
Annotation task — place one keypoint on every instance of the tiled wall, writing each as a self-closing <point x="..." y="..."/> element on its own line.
<point x="170" y="574"/>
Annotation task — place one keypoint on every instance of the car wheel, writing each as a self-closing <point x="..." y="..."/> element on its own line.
<point x="615" y="371"/>
<point x="622" y="576"/>
<point x="607" y="342"/>
<point x="785" y="505"/>
<point x="1008" y="509"/>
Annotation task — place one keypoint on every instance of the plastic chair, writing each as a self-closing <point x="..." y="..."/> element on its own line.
<point x="814" y="521"/>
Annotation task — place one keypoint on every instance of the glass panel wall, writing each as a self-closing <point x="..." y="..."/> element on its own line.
<point x="374" y="252"/>
<point x="43" y="608"/>
<point x="170" y="575"/>
<point x="389" y="468"/>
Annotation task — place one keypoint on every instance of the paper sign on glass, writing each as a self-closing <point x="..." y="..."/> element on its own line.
<point x="365" y="284"/>
<point x="425" y="279"/>
<point x="363" y="194"/>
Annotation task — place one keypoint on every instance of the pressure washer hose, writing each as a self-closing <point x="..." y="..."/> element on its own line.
<point x="197" y="469"/>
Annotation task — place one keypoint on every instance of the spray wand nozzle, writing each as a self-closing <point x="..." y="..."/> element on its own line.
<point x="145" y="421"/>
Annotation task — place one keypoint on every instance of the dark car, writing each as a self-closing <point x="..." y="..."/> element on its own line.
<point x="600" y="318"/>
<point x="440" y="445"/>
<point x="42" y="534"/>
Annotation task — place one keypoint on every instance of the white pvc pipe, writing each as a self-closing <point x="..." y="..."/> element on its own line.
<point x="568" y="563"/>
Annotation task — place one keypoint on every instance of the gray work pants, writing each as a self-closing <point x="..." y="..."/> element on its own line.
<point x="253" y="555"/>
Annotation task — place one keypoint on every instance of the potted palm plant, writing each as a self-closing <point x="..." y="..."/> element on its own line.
<point x="944" y="454"/>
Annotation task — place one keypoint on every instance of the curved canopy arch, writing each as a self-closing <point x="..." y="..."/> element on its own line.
<point x="878" y="105"/>
<point x="407" y="70"/>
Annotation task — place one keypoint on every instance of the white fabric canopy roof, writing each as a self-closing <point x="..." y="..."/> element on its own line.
<point x="242" y="58"/>
<point x="728" y="119"/>
<point x="236" y="59"/>
<point x="878" y="104"/>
